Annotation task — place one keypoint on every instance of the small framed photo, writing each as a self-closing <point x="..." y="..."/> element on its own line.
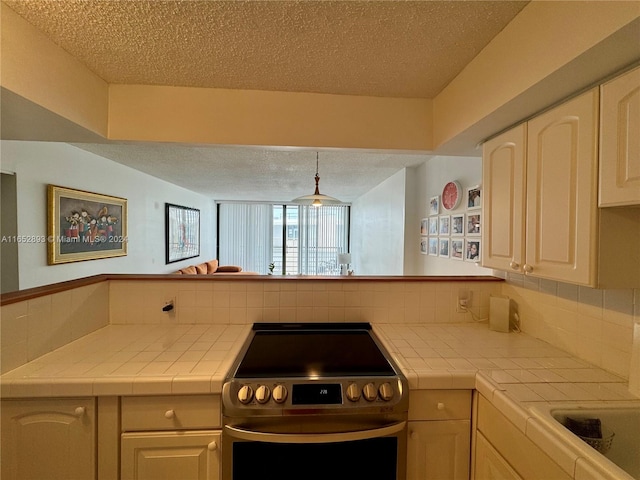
<point x="457" y="249"/>
<point x="444" y="225"/>
<point x="472" y="250"/>
<point x="457" y="224"/>
<point x="424" y="245"/>
<point x="444" y="247"/>
<point x="433" y="246"/>
<point x="474" y="224"/>
<point x="434" y="205"/>
<point x="433" y="226"/>
<point x="474" y="199"/>
<point x="424" y="226"/>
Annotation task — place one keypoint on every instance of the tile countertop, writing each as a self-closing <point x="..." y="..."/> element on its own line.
<point x="512" y="370"/>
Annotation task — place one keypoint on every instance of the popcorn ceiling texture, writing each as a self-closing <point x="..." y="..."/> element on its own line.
<point x="377" y="48"/>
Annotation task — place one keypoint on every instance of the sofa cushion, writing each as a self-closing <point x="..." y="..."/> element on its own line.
<point x="189" y="270"/>
<point x="228" y="269"/>
<point x="212" y="266"/>
<point x="201" y="269"/>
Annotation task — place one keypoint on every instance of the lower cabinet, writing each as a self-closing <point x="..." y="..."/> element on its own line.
<point x="490" y="465"/>
<point x="169" y="437"/>
<point x="439" y="435"/>
<point x="169" y="455"/>
<point x="502" y="451"/>
<point x="49" y="438"/>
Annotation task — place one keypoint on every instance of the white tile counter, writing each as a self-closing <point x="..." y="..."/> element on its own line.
<point x="132" y="360"/>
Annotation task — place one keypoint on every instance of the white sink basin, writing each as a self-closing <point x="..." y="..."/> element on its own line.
<point x="623" y="420"/>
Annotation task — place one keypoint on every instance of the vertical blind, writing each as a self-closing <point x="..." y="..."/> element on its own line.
<point x="297" y="239"/>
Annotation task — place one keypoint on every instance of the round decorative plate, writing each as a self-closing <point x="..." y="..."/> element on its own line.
<point x="451" y="195"/>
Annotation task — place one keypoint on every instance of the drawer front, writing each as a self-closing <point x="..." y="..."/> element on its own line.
<point x="170" y="412"/>
<point x="440" y="405"/>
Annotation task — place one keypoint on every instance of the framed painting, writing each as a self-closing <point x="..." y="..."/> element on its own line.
<point x="474" y="223"/>
<point x="182" y="226"/>
<point x="434" y="205"/>
<point x="84" y="226"/>
<point x="457" y="224"/>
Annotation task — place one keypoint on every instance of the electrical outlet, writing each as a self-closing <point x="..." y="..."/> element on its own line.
<point x="464" y="301"/>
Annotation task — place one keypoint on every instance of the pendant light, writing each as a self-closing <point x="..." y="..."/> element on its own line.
<point x="317" y="199"/>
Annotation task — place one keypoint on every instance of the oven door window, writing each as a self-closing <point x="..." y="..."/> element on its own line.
<point x="373" y="458"/>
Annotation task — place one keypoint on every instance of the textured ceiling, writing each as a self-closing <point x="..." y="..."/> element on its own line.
<point x="379" y="48"/>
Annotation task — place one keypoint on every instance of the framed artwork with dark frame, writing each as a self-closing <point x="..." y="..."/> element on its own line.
<point x="182" y="227"/>
<point x="84" y="225"/>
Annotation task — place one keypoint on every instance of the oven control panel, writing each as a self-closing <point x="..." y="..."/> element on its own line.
<point x="304" y="394"/>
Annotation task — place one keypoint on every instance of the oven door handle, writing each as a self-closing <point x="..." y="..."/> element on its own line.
<point x="267" y="437"/>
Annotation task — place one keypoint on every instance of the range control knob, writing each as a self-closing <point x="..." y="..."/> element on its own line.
<point x="353" y="392"/>
<point x="370" y="392"/>
<point x="245" y="394"/>
<point x="263" y="394"/>
<point x="386" y="391"/>
<point x="279" y="393"/>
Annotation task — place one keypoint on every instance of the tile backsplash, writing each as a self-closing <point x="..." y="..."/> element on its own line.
<point x="594" y="325"/>
<point x="591" y="324"/>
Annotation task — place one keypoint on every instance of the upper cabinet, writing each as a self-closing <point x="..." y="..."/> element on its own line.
<point x="541" y="215"/>
<point x="620" y="141"/>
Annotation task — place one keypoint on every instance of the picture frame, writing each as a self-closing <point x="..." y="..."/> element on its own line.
<point x="84" y="225"/>
<point x="474" y="197"/>
<point x="457" y="249"/>
<point x="473" y="250"/>
<point x="424" y="226"/>
<point x="434" y="205"/>
<point x="444" y="225"/>
<point x="433" y="246"/>
<point x="424" y="245"/>
<point x="182" y="232"/>
<point x="457" y="225"/>
<point x="443" y="247"/>
<point x="433" y="226"/>
<point x="474" y="224"/>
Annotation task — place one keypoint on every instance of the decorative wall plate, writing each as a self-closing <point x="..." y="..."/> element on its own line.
<point x="451" y="195"/>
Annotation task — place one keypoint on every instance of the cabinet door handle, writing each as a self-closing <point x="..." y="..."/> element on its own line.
<point x="80" y="411"/>
<point x="415" y="436"/>
<point x="212" y="446"/>
<point x="514" y="265"/>
<point x="169" y="414"/>
<point x="527" y="268"/>
<point x="440" y="406"/>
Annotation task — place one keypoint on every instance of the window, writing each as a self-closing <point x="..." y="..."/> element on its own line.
<point x="297" y="239"/>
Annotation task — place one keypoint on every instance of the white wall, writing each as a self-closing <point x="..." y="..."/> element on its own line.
<point x="377" y="228"/>
<point x="428" y="181"/>
<point x="37" y="164"/>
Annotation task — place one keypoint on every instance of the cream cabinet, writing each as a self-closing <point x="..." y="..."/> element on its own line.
<point x="504" y="197"/>
<point x="167" y="437"/>
<point x="540" y="206"/>
<point x="489" y="464"/>
<point x="438" y="444"/>
<point x="502" y="451"/>
<point x="49" y="438"/>
<point x="620" y="141"/>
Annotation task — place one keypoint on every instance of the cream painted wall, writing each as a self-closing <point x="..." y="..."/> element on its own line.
<point x="426" y="181"/>
<point x="38" y="164"/>
<point x="377" y="228"/>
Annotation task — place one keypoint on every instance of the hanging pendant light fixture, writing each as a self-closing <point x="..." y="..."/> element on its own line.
<point x="317" y="199"/>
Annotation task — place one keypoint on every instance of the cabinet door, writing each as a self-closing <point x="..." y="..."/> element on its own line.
<point x="489" y="464"/>
<point x="438" y="450"/>
<point x="503" y="181"/>
<point x="48" y="438"/>
<point x="562" y="164"/>
<point x="620" y="141"/>
<point x="188" y="455"/>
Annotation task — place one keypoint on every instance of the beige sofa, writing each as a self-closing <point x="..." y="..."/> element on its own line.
<point x="212" y="267"/>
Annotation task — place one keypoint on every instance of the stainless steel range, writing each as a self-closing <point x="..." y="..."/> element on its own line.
<point x="314" y="401"/>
